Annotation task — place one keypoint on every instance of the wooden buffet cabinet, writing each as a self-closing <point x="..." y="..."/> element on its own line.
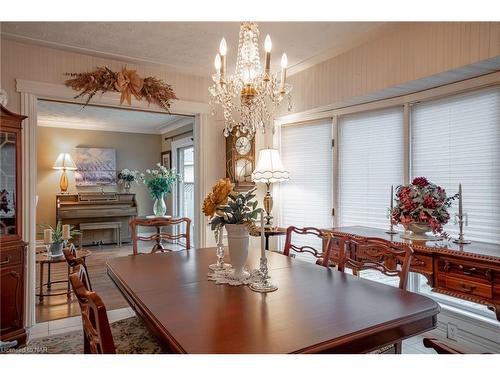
<point x="12" y="247"/>
<point x="470" y="272"/>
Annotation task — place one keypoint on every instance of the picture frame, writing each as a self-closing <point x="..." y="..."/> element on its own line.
<point x="166" y="159"/>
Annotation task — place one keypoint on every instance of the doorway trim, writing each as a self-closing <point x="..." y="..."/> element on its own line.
<point x="31" y="92"/>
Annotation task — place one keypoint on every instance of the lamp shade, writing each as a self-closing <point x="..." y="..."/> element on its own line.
<point x="269" y="167"/>
<point x="64" y="161"/>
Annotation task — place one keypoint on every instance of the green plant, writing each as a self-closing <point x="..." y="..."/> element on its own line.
<point x="57" y="232"/>
<point x="159" y="181"/>
<point x="240" y="209"/>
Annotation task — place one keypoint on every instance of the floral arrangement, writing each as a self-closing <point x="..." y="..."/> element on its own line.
<point x="127" y="82"/>
<point x="57" y="232"/>
<point x="422" y="202"/>
<point x="226" y="206"/>
<point x="159" y="181"/>
<point x="126" y="175"/>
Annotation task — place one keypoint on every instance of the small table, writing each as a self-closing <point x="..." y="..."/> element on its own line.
<point x="268" y="232"/>
<point x="44" y="258"/>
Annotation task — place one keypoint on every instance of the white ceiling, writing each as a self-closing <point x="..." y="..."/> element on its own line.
<point x="74" y="116"/>
<point x="190" y="47"/>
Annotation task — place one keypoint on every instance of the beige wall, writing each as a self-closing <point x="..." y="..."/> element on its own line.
<point x="406" y="52"/>
<point x="52" y="141"/>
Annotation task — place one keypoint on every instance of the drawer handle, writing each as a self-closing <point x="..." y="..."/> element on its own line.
<point x="467" y="272"/>
<point x="466" y="288"/>
<point x="6" y="261"/>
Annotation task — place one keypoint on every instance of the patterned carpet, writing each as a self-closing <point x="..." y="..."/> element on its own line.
<point x="129" y="335"/>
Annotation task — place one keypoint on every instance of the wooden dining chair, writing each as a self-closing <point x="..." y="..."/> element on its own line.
<point x="440" y="347"/>
<point x="74" y="263"/>
<point x="321" y="257"/>
<point x="378" y="254"/>
<point x="159" y="236"/>
<point x="98" y="333"/>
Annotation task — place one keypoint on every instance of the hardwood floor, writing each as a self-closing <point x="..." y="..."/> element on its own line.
<point x="59" y="307"/>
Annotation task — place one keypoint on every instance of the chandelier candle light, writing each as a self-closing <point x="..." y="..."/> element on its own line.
<point x="250" y="97"/>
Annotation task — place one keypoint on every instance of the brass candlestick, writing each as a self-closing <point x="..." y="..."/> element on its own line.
<point x="461" y="219"/>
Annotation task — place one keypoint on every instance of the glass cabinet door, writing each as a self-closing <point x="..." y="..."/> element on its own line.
<point x="8" y="199"/>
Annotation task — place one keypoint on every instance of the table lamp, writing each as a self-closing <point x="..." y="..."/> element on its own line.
<point x="65" y="163"/>
<point x="269" y="170"/>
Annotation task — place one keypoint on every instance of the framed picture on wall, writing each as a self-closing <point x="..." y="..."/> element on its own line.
<point x="166" y="157"/>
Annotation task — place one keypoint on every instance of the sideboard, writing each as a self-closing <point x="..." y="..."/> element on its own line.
<point x="470" y="272"/>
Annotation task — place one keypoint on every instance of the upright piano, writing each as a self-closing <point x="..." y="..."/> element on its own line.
<point x="97" y="207"/>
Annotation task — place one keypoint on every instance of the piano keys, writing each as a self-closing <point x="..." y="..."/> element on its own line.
<point x="95" y="208"/>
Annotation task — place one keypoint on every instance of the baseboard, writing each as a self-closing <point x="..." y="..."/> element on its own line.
<point x="474" y="334"/>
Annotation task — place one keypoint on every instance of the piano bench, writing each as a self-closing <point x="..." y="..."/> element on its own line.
<point x="116" y="225"/>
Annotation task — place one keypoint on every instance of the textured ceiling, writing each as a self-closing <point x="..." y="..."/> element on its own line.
<point x="74" y="116"/>
<point x="190" y="47"/>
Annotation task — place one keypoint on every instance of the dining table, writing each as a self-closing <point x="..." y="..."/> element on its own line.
<point x="315" y="309"/>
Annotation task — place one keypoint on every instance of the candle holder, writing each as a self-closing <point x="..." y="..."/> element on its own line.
<point x="263" y="285"/>
<point x="391" y="225"/>
<point x="220" y="265"/>
<point x="461" y="219"/>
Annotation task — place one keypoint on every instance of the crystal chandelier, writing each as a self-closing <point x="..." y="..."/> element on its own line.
<point x="251" y="96"/>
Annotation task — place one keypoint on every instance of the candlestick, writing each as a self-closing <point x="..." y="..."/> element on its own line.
<point x="222" y="52"/>
<point x="220" y="265"/>
<point x="66" y="232"/>
<point x="391" y="230"/>
<point x="267" y="46"/>
<point x="262" y="237"/>
<point x="461" y="218"/>
<point x="284" y="63"/>
<point x="47" y="236"/>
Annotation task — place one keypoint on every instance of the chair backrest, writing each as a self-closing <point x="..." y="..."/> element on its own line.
<point x="375" y="253"/>
<point x="158" y="223"/>
<point x="96" y="329"/>
<point x="320" y="255"/>
<point x="75" y="263"/>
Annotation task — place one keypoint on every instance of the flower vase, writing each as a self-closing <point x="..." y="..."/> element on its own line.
<point x="159" y="206"/>
<point x="417" y="232"/>
<point x="127" y="187"/>
<point x="238" y="238"/>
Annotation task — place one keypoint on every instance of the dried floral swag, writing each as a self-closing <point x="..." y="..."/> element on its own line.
<point x="127" y="82"/>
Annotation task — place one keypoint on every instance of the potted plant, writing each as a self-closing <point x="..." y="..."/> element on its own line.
<point x="56" y="246"/>
<point x="421" y="207"/>
<point x="159" y="182"/>
<point x="127" y="177"/>
<point x="236" y="212"/>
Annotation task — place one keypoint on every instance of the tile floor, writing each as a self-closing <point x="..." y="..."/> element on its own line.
<point x="412" y="345"/>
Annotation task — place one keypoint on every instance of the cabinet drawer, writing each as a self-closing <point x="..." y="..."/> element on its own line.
<point x="461" y="269"/>
<point x="473" y="288"/>
<point x="11" y="257"/>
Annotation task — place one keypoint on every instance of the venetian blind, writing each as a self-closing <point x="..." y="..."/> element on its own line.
<point x="370" y="161"/>
<point x="457" y="140"/>
<point x="306" y="199"/>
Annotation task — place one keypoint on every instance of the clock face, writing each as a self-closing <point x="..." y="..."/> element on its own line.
<point x="243" y="145"/>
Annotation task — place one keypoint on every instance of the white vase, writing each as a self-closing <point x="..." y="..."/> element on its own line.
<point x="418" y="232"/>
<point x="238" y="239"/>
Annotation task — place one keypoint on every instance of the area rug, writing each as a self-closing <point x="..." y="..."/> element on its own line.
<point x="129" y="335"/>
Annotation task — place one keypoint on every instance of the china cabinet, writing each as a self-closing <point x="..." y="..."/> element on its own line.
<point x="12" y="246"/>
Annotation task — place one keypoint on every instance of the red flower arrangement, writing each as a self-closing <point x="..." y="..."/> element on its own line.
<point x="422" y="202"/>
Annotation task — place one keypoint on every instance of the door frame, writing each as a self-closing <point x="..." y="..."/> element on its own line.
<point x="31" y="92"/>
<point x="175" y="146"/>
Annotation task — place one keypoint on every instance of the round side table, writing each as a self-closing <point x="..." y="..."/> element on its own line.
<point x="44" y="259"/>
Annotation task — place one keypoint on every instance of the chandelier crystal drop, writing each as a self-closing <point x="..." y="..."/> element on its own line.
<point x="249" y="98"/>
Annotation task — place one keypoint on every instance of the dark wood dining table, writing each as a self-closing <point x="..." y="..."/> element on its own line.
<point x="315" y="309"/>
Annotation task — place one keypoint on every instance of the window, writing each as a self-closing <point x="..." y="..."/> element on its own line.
<point x="457" y="140"/>
<point x="306" y="200"/>
<point x="370" y="161"/>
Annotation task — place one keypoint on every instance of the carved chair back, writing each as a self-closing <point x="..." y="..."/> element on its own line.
<point x="158" y="223"/>
<point x="375" y="253"/>
<point x="97" y="337"/>
<point x="75" y="263"/>
<point x="325" y="237"/>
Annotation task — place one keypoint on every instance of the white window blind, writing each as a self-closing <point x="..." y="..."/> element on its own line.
<point x="370" y="161"/>
<point x="457" y="140"/>
<point x="306" y="199"/>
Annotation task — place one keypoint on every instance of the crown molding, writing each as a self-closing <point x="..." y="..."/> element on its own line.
<point x="82" y="125"/>
<point x="176" y="124"/>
